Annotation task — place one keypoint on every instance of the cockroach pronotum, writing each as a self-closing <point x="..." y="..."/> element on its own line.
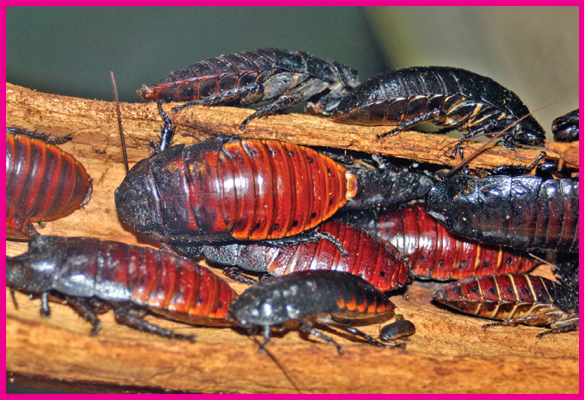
<point x="308" y="297"/>
<point x="522" y="212"/>
<point x="447" y="97"/>
<point x="369" y="257"/>
<point x="432" y="252"/>
<point x="566" y="127"/>
<point x="400" y="329"/>
<point x="221" y="190"/>
<point x="515" y="298"/>
<point x="130" y="279"/>
<point x="43" y="182"/>
<point x="282" y="76"/>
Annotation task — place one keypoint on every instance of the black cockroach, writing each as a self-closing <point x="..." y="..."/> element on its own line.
<point x="566" y="127"/>
<point x="515" y="298"/>
<point x="400" y="329"/>
<point x="282" y="76"/>
<point x="308" y="297"/>
<point x="43" y="182"/>
<point x="130" y="279"/>
<point x="522" y="212"/>
<point x="369" y="257"/>
<point x="447" y="97"/>
<point x="432" y="252"/>
<point x="224" y="189"/>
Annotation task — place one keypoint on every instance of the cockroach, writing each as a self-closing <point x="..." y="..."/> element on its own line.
<point x="522" y="212"/>
<point x="448" y="97"/>
<point x="225" y="189"/>
<point x="566" y="127"/>
<point x="515" y="298"/>
<point x="308" y="297"/>
<point x="432" y="252"/>
<point x="373" y="259"/>
<point x="400" y="329"/>
<point x="43" y="182"/>
<point x="282" y="76"/>
<point x="130" y="279"/>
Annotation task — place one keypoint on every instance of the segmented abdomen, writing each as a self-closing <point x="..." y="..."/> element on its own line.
<point x="42" y="181"/>
<point x="251" y="189"/>
<point x="508" y="296"/>
<point x="434" y="253"/>
<point x="160" y="281"/>
<point x="523" y="212"/>
<point x="370" y="258"/>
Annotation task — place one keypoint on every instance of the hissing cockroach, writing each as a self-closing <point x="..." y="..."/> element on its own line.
<point x="309" y="297"/>
<point x="225" y="189"/>
<point x="522" y="212"/>
<point x="132" y="280"/>
<point x="282" y="76"/>
<point x="432" y="252"/>
<point x="400" y="329"/>
<point x="566" y="127"/>
<point x="515" y="298"/>
<point x="369" y="257"/>
<point x="447" y="97"/>
<point x="43" y="182"/>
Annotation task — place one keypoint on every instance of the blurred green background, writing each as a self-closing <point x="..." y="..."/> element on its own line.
<point x="533" y="51"/>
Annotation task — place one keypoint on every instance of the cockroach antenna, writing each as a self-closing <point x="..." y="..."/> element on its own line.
<point x="119" y="115"/>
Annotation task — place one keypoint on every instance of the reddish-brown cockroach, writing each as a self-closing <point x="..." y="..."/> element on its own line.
<point x="132" y="280"/>
<point x="282" y="76"/>
<point x="515" y="298"/>
<point x="522" y="212"/>
<point x="308" y="297"/>
<point x="433" y="252"/>
<point x="225" y="189"/>
<point x="43" y="182"/>
<point x="368" y="257"/>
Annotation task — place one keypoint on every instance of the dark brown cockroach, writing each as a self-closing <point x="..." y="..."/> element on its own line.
<point x="369" y="257"/>
<point x="130" y="279"/>
<point x="284" y="77"/>
<point x="432" y="252"/>
<point x="308" y="297"/>
<point x="522" y="212"/>
<point x="515" y="298"/>
<point x="566" y="127"/>
<point x="223" y="189"/>
<point x="43" y="182"/>
<point x="447" y="97"/>
<point x="400" y="329"/>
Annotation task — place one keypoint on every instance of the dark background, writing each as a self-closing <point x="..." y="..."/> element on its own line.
<point x="533" y="51"/>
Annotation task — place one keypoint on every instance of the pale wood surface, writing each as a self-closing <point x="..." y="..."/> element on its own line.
<point x="450" y="353"/>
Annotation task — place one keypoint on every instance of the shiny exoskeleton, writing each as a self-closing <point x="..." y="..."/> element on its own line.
<point x="43" y="182"/>
<point x="400" y="329"/>
<point x="566" y="127"/>
<point x="515" y="298"/>
<point x="522" y="212"/>
<point x="374" y="260"/>
<point x="282" y="76"/>
<point x="448" y="97"/>
<point x="432" y="252"/>
<point x="221" y="190"/>
<point x="130" y="279"/>
<point x="309" y="297"/>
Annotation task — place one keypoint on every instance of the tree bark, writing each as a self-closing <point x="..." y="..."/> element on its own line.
<point x="450" y="353"/>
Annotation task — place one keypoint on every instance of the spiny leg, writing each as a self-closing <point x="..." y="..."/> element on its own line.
<point x="235" y="93"/>
<point x="356" y="332"/>
<point x="281" y="103"/>
<point x="515" y="321"/>
<point x="236" y="274"/>
<point x="84" y="310"/>
<point x="45" y="310"/>
<point x="312" y="236"/>
<point x="306" y="327"/>
<point x="134" y="319"/>
<point x="559" y="330"/>
<point x="428" y="116"/>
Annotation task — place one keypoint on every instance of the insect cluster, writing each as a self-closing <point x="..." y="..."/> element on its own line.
<point x="328" y="235"/>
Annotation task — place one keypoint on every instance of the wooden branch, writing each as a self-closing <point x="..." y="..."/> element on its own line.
<point x="450" y="353"/>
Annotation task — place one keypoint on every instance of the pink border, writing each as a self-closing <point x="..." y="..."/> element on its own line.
<point x="337" y="3"/>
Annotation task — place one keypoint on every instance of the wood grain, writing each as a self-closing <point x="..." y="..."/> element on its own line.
<point x="450" y="353"/>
